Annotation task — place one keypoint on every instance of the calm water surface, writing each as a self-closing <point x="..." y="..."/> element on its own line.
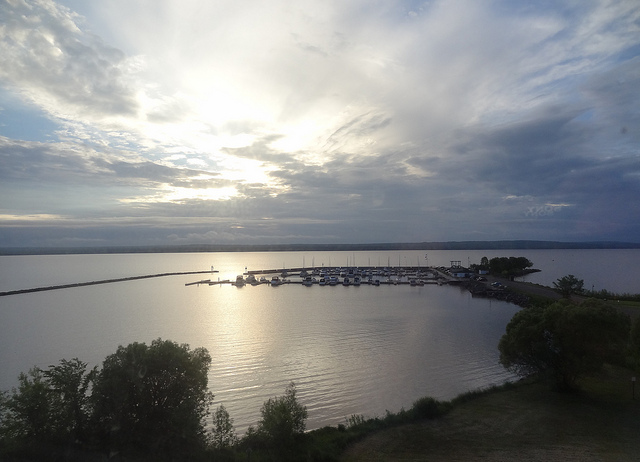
<point x="350" y="350"/>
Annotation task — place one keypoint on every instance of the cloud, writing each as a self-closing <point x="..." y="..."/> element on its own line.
<point x="68" y="164"/>
<point x="70" y="73"/>
<point x="324" y="121"/>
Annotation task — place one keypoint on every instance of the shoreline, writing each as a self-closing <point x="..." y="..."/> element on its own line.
<point x="432" y="245"/>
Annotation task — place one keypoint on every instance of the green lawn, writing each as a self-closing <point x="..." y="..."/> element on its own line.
<point x="527" y="422"/>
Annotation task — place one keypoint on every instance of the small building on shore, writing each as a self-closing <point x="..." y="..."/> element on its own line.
<point x="458" y="271"/>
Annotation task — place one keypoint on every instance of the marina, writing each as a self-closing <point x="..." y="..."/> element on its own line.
<point x="345" y="276"/>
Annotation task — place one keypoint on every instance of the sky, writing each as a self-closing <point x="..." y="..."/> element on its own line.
<point x="153" y="122"/>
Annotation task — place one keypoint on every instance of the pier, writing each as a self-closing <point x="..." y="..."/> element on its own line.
<point x="344" y="276"/>
<point x="367" y="275"/>
<point x="104" y="281"/>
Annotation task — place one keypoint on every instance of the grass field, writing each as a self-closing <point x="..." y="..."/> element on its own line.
<point x="526" y="422"/>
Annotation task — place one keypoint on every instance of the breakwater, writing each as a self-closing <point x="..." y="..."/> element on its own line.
<point x="103" y="281"/>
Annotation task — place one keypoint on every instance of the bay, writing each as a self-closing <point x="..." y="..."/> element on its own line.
<point x="350" y="350"/>
<point x="615" y="270"/>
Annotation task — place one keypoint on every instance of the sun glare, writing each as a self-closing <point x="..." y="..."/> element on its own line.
<point x="212" y="194"/>
<point x="298" y="137"/>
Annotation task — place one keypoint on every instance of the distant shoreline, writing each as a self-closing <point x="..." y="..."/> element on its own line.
<point x="448" y="245"/>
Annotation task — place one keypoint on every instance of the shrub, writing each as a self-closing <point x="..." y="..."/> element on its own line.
<point x="222" y="433"/>
<point x="428" y="408"/>
<point x="354" y="420"/>
<point x="283" y="417"/>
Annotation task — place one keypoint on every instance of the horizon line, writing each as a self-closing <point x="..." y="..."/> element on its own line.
<point x="519" y="244"/>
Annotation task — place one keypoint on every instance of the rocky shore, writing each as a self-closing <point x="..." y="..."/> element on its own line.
<point x="481" y="289"/>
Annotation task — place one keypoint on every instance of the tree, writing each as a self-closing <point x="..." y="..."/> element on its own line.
<point x="524" y="348"/>
<point x="153" y="399"/>
<point x="48" y="409"/>
<point x="222" y="432"/>
<point x="509" y="265"/>
<point x="568" y="285"/>
<point x="563" y="340"/>
<point x="283" y="418"/>
<point x="69" y="383"/>
<point x="484" y="263"/>
<point x="26" y="411"/>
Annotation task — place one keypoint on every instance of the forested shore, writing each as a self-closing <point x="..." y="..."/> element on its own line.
<point x="439" y="245"/>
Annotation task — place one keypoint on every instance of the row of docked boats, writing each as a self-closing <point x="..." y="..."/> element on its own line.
<point x="307" y="281"/>
<point x="340" y="276"/>
<point x="252" y="280"/>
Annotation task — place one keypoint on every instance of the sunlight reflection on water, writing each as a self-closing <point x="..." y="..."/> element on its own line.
<point x="350" y="350"/>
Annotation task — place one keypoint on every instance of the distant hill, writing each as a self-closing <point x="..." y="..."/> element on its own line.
<point x="450" y="245"/>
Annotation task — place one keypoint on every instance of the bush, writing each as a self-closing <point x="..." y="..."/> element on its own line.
<point x="283" y="417"/>
<point x="564" y="340"/>
<point x="354" y="420"/>
<point x="428" y="408"/>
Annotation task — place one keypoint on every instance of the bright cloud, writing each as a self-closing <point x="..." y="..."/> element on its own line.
<point x="396" y="121"/>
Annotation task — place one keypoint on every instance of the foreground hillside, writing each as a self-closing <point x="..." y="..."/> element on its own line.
<point x="526" y="422"/>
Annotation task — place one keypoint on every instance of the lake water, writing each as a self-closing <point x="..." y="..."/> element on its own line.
<point x="350" y="350"/>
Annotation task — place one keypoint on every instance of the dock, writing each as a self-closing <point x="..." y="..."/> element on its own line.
<point x="344" y="276"/>
<point x="204" y="281"/>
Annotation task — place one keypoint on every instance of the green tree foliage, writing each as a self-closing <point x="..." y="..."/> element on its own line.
<point x="509" y="265"/>
<point x="568" y="285"/>
<point x="153" y="399"/>
<point x="222" y="433"/>
<point x="26" y="410"/>
<point x="69" y="383"/>
<point x="564" y="340"/>
<point x="283" y="418"/>
<point x="148" y="402"/>
<point x="48" y="409"/>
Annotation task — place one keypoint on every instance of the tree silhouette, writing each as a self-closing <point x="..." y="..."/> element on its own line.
<point x="568" y="285"/>
<point x="153" y="399"/>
